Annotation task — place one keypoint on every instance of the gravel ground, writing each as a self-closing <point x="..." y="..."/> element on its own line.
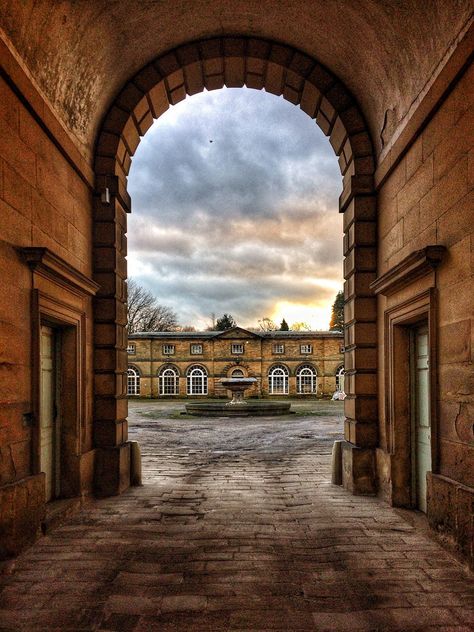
<point x="162" y="427"/>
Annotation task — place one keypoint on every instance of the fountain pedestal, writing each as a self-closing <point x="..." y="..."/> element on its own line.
<point x="237" y="385"/>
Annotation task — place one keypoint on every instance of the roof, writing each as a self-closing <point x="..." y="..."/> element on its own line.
<point x="214" y="334"/>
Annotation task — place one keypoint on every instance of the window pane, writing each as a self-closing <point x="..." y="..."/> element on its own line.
<point x="169" y="382"/>
<point x="133" y="382"/>
<point x="278" y="380"/>
<point x="197" y="382"/>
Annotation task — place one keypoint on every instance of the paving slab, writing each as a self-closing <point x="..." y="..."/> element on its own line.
<point x="237" y="527"/>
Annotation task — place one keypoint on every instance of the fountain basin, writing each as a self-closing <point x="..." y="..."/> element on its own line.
<point x="247" y="409"/>
<point x="238" y="407"/>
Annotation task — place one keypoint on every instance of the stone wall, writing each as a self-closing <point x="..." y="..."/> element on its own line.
<point x="427" y="200"/>
<point x="43" y="203"/>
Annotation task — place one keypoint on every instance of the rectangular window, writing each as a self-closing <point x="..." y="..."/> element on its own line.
<point x="306" y="348"/>
<point x="237" y="348"/>
<point x="131" y="349"/>
<point x="278" y="348"/>
<point x="196" y="349"/>
<point x="168" y="349"/>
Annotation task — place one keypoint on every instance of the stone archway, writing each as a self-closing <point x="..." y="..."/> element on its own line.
<point x="187" y="70"/>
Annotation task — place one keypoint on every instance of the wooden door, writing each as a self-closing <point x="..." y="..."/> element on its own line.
<point x="421" y="414"/>
<point x="49" y="444"/>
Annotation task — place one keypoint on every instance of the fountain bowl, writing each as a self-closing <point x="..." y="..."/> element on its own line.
<point x="238" y="406"/>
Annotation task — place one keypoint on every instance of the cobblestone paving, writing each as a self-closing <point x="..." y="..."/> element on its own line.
<point x="236" y="528"/>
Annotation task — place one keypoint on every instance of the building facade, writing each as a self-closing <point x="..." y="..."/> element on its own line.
<point x="191" y="364"/>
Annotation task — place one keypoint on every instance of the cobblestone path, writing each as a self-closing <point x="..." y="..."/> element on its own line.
<point x="237" y="540"/>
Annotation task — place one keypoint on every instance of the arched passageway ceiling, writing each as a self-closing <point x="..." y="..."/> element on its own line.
<point x="82" y="53"/>
<point x="235" y="62"/>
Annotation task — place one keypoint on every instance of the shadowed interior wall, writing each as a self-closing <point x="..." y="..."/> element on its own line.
<point x="375" y="47"/>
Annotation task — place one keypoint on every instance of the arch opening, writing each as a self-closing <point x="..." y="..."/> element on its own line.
<point x="259" y="64"/>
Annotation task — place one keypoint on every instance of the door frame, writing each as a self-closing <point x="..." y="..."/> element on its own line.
<point x="400" y="321"/>
<point x="68" y="325"/>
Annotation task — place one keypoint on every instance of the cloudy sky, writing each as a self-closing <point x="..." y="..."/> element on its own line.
<point x="246" y="224"/>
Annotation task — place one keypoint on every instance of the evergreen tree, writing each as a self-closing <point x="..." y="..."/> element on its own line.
<point x="284" y="326"/>
<point x="337" y="316"/>
<point x="225" y="322"/>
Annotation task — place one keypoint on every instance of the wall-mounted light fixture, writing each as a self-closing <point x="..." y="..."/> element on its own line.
<point x="105" y="196"/>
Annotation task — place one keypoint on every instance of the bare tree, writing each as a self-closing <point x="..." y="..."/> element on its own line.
<point x="267" y="324"/>
<point x="301" y="326"/>
<point x="145" y="314"/>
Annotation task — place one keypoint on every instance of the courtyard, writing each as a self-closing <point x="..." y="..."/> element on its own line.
<point x="162" y="427"/>
<point x="237" y="527"/>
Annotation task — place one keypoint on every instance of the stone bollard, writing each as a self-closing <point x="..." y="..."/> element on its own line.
<point x="336" y="463"/>
<point x="135" y="464"/>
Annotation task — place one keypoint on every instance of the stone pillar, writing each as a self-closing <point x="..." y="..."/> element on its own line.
<point x="112" y="471"/>
<point x="360" y="316"/>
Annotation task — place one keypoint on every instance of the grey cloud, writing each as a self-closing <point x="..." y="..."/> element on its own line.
<point x="240" y="223"/>
<point x="248" y="299"/>
<point x="256" y="156"/>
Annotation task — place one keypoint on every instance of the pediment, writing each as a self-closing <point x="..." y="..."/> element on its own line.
<point x="237" y="333"/>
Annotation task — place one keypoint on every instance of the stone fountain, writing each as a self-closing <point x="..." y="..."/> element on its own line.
<point x="238" y="406"/>
<point x="237" y="385"/>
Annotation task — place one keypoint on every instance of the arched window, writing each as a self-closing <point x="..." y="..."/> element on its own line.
<point x="169" y="381"/>
<point x="340" y="379"/>
<point x="306" y="379"/>
<point x="237" y="373"/>
<point x="196" y="380"/>
<point x="278" y="380"/>
<point x="133" y="381"/>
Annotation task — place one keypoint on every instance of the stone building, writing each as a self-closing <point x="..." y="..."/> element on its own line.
<point x="390" y="84"/>
<point x="190" y="364"/>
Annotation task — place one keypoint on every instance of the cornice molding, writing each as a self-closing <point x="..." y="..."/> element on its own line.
<point x="415" y="265"/>
<point x="46" y="263"/>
